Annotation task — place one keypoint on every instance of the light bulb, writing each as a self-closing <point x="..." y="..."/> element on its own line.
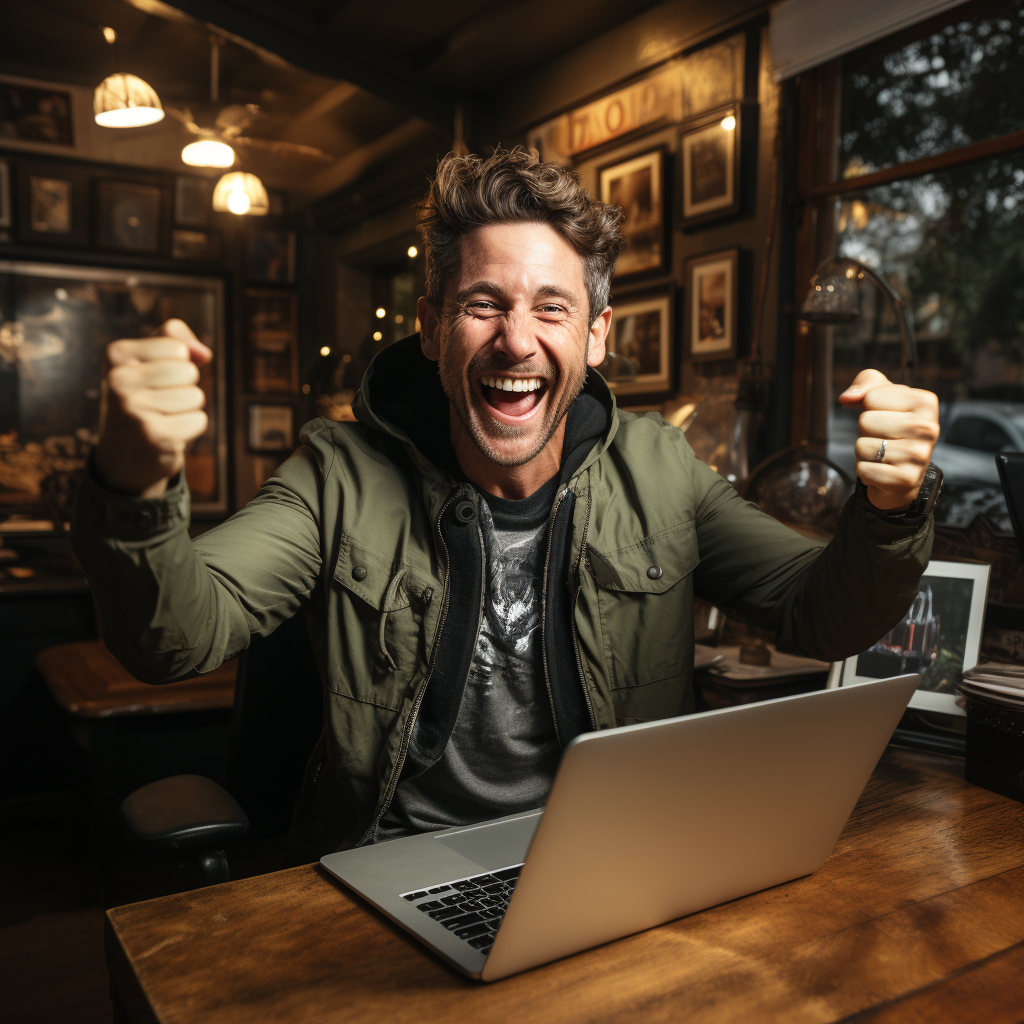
<point x="238" y="201"/>
<point x="325" y="350"/>
<point x="412" y="252"/>
<point x="109" y="34"/>
<point x="381" y="312"/>
<point x="728" y="123"/>
<point x="377" y="335"/>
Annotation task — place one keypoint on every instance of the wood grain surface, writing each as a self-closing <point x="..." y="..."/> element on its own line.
<point x="916" y="915"/>
<point x="89" y="682"/>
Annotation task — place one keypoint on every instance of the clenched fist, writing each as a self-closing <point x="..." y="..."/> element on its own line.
<point x="897" y="432"/>
<point x="152" y="408"/>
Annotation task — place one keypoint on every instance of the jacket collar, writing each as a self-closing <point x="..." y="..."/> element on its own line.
<point x="401" y="395"/>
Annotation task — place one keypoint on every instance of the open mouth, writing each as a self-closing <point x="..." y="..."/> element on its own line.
<point x="513" y="398"/>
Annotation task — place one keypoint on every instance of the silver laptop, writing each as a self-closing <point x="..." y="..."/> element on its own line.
<point x="643" y="824"/>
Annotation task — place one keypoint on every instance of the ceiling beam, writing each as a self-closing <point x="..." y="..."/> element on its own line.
<point x="323" y="104"/>
<point x="297" y="38"/>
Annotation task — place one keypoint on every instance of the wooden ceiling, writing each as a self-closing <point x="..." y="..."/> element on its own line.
<point x="361" y="81"/>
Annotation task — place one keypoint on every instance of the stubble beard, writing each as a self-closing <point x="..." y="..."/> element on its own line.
<point x="455" y="383"/>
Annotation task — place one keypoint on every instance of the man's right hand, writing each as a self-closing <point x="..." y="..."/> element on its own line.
<point x="152" y="409"/>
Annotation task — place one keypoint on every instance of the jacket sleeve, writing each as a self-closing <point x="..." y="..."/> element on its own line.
<point x="170" y="606"/>
<point x="827" y="601"/>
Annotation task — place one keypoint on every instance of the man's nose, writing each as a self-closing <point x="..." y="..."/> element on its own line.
<point x="516" y="339"/>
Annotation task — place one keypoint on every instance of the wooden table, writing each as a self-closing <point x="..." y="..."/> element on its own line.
<point x="918" y="915"/>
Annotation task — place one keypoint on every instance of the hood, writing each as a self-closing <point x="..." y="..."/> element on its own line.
<point x="401" y="395"/>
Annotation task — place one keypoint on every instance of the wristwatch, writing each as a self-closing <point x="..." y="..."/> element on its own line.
<point x="929" y="491"/>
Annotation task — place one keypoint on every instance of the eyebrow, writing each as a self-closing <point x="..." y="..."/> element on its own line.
<point x="547" y="291"/>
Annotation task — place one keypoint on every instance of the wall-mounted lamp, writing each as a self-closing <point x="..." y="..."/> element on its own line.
<point x="124" y="101"/>
<point x="242" y="193"/>
<point x="834" y="298"/>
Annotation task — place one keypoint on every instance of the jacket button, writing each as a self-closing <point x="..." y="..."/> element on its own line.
<point x="465" y="511"/>
<point x="359" y="572"/>
<point x="428" y="594"/>
<point x="654" y="572"/>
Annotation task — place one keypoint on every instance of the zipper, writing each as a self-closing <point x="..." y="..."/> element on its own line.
<point x="403" y="750"/>
<point x="544" y="600"/>
<point x="572" y="617"/>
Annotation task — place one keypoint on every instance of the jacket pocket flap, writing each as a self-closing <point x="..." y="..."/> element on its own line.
<point x="368" y="575"/>
<point x="650" y="567"/>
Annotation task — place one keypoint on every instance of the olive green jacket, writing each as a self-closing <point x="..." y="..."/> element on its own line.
<point x="347" y="530"/>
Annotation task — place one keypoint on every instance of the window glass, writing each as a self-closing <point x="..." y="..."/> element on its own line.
<point x="917" y="94"/>
<point x="952" y="246"/>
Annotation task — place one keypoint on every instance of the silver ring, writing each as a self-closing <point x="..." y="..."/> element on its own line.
<point x="880" y="454"/>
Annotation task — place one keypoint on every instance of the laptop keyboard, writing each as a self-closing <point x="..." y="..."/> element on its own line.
<point x="471" y="908"/>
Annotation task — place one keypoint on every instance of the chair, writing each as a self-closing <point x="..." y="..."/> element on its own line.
<point x="276" y="721"/>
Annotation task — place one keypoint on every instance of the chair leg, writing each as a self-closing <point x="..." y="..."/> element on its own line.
<point x="213" y="868"/>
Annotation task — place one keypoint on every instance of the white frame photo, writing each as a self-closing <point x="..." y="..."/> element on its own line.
<point x="925" y="699"/>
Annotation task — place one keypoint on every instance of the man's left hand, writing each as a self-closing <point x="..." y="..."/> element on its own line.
<point x="906" y="420"/>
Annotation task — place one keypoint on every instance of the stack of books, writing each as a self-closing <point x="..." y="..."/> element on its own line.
<point x="995" y="684"/>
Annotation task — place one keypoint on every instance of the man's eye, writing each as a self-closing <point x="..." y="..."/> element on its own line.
<point x="552" y="309"/>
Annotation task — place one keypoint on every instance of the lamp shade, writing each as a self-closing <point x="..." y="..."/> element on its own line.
<point x="834" y="295"/>
<point x="124" y="101"/>
<point x="242" y="193"/>
<point x="208" y="153"/>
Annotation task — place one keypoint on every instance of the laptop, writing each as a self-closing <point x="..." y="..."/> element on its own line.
<point x="644" y="824"/>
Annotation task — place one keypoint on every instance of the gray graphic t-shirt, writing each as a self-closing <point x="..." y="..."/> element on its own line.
<point x="503" y="751"/>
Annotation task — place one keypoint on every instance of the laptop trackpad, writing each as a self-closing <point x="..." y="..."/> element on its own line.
<point x="496" y="845"/>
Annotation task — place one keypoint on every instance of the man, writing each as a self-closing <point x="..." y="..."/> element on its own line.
<point x="493" y="559"/>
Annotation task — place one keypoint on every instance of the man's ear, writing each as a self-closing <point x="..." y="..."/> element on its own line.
<point x="598" y="334"/>
<point x="430" y="339"/>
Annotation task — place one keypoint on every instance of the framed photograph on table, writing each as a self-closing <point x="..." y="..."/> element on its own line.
<point x="271" y="342"/>
<point x="710" y="167"/>
<point x="271" y="427"/>
<point x="939" y="636"/>
<point x="638" y="186"/>
<point x="128" y="216"/>
<point x="712" y="305"/>
<point x="639" y="344"/>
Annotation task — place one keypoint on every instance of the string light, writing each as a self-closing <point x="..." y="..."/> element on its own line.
<point x="109" y="34"/>
<point x="728" y="123"/>
<point x="377" y="335"/>
<point x="381" y="312"/>
<point x="412" y="252"/>
<point x="325" y="350"/>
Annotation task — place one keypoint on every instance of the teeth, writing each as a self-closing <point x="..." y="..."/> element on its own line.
<point x="512" y="383"/>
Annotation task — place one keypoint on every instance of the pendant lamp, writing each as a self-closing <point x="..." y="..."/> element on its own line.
<point x="208" y="153"/>
<point x="242" y="193"/>
<point x="124" y="101"/>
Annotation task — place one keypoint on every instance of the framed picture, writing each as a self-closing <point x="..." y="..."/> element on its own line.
<point x="639" y="344"/>
<point x="271" y="342"/>
<point x="53" y="203"/>
<point x="271" y="428"/>
<point x="638" y="186"/>
<point x="193" y="201"/>
<point x="939" y="636"/>
<point x="271" y="255"/>
<point x="712" y="305"/>
<point x="35" y="115"/>
<point x="187" y="244"/>
<point x="6" y="219"/>
<point x="128" y="216"/>
<point x="64" y="317"/>
<point x="710" y="166"/>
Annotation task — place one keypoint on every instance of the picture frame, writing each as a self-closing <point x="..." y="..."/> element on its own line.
<point x="271" y="427"/>
<point x="32" y="115"/>
<point x="639" y="343"/>
<point x="193" y="200"/>
<point x="67" y="316"/>
<point x="53" y="203"/>
<point x="710" y="167"/>
<point x="6" y="216"/>
<point x="198" y="246"/>
<point x="129" y="216"/>
<point x="939" y="636"/>
<point x="638" y="184"/>
<point x="712" y="305"/>
<point x="271" y="342"/>
<point x="270" y="256"/>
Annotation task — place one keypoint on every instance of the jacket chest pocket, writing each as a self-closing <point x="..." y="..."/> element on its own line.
<point x="645" y="601"/>
<point x="383" y="609"/>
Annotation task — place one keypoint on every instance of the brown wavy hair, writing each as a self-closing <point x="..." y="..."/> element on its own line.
<point x="513" y="186"/>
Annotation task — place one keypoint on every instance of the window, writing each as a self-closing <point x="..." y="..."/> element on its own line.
<point x="927" y="188"/>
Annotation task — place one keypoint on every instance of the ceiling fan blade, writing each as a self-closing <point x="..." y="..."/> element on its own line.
<point x="186" y="118"/>
<point x="287" y="149"/>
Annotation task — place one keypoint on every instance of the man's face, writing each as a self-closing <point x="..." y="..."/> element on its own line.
<point x="514" y="339"/>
